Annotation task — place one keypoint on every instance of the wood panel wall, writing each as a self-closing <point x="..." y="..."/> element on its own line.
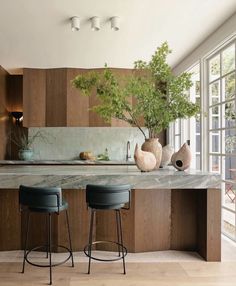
<point x="34" y="97"/>
<point x="3" y="113"/>
<point x="77" y="105"/>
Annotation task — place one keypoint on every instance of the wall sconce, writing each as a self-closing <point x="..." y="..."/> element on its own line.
<point x="75" y="24"/>
<point x="18" y="115"/>
<point x="95" y="23"/>
<point x="115" y="23"/>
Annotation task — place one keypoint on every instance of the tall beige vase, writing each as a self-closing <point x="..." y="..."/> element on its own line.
<point x="153" y="145"/>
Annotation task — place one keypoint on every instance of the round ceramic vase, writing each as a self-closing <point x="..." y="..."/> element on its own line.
<point x="25" y="155"/>
<point x="152" y="145"/>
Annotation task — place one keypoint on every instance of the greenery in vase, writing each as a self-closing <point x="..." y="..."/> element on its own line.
<point x="160" y="97"/>
<point x="21" y="139"/>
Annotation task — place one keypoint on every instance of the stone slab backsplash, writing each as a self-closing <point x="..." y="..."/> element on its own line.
<point x="66" y="143"/>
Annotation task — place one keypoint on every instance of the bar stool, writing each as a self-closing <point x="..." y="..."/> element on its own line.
<point x="105" y="197"/>
<point x="47" y="201"/>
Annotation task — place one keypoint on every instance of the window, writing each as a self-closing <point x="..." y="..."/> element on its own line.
<point x="222" y="130"/>
<point x="194" y="123"/>
<point x="190" y="130"/>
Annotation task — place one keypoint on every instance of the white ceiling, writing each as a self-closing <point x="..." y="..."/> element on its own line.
<point x="36" y="33"/>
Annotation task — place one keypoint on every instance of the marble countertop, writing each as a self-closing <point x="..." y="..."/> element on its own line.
<point x="77" y="177"/>
<point x="66" y="162"/>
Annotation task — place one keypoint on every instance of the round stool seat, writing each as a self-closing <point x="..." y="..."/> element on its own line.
<point x="107" y="196"/>
<point x="48" y="209"/>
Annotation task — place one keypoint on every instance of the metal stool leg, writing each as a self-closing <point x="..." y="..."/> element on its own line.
<point x="90" y="239"/>
<point x="69" y="235"/>
<point x="26" y="240"/>
<point x="118" y="231"/>
<point x="50" y="246"/>
<point x="121" y="240"/>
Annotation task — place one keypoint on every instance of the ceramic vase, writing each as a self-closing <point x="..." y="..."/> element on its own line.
<point x="167" y="152"/>
<point x="181" y="160"/>
<point x="25" y="154"/>
<point x="152" y="145"/>
<point x="145" y="161"/>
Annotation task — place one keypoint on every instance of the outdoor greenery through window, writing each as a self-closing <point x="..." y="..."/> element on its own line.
<point x="222" y="130"/>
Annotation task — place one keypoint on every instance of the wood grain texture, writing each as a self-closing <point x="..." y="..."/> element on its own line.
<point x="34" y="97"/>
<point x="184" y="219"/>
<point x="213" y="225"/>
<point x="4" y="119"/>
<point x="15" y="92"/>
<point x="157" y="220"/>
<point x="139" y="273"/>
<point x="10" y="226"/>
<point x="77" y="104"/>
<point x="106" y="228"/>
<point x="78" y="219"/>
<point x="56" y="99"/>
<point x="152" y="213"/>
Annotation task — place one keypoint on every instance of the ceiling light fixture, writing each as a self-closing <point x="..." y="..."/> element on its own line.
<point x="115" y="23"/>
<point x="95" y="23"/>
<point x="75" y="24"/>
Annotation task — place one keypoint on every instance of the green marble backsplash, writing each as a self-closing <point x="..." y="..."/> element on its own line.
<point x="65" y="143"/>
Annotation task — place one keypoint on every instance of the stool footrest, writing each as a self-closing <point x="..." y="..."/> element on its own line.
<point x="86" y="250"/>
<point x="45" y="247"/>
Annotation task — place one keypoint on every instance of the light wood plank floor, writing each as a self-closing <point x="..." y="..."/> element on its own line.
<point x="182" y="271"/>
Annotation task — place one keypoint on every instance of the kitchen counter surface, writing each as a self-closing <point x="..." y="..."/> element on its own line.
<point x="66" y="162"/>
<point x="77" y="177"/>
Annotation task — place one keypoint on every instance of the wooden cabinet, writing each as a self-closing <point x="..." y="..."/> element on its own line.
<point x="34" y="97"/>
<point x="50" y="100"/>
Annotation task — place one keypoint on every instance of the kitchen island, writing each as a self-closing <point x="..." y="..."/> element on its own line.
<point x="169" y="210"/>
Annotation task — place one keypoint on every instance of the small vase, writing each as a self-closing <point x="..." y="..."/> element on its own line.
<point x="181" y="160"/>
<point x="25" y="154"/>
<point x="152" y="145"/>
<point x="167" y="152"/>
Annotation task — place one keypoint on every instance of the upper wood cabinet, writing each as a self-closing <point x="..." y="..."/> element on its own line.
<point x="34" y="97"/>
<point x="49" y="99"/>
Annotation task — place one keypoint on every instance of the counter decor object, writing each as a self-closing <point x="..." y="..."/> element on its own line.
<point x="145" y="161"/>
<point x="25" y="154"/>
<point x="152" y="145"/>
<point x="159" y="96"/>
<point x="24" y="142"/>
<point x="181" y="160"/>
<point x="87" y="155"/>
<point x="103" y="156"/>
<point x="167" y="152"/>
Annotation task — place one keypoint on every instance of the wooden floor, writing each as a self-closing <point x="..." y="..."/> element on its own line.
<point x="156" y="269"/>
<point x="145" y="274"/>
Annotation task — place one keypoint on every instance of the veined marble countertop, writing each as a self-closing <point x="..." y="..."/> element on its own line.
<point x="77" y="177"/>
<point x="66" y="162"/>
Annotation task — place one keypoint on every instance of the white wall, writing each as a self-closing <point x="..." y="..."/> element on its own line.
<point x="215" y="40"/>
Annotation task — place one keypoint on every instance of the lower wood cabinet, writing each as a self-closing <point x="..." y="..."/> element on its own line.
<point x="187" y="220"/>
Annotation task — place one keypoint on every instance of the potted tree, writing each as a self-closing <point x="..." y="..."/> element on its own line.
<point x="160" y="97"/>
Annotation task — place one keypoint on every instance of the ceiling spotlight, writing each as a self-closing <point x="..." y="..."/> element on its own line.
<point x="115" y="23"/>
<point x="95" y="23"/>
<point x="75" y="24"/>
